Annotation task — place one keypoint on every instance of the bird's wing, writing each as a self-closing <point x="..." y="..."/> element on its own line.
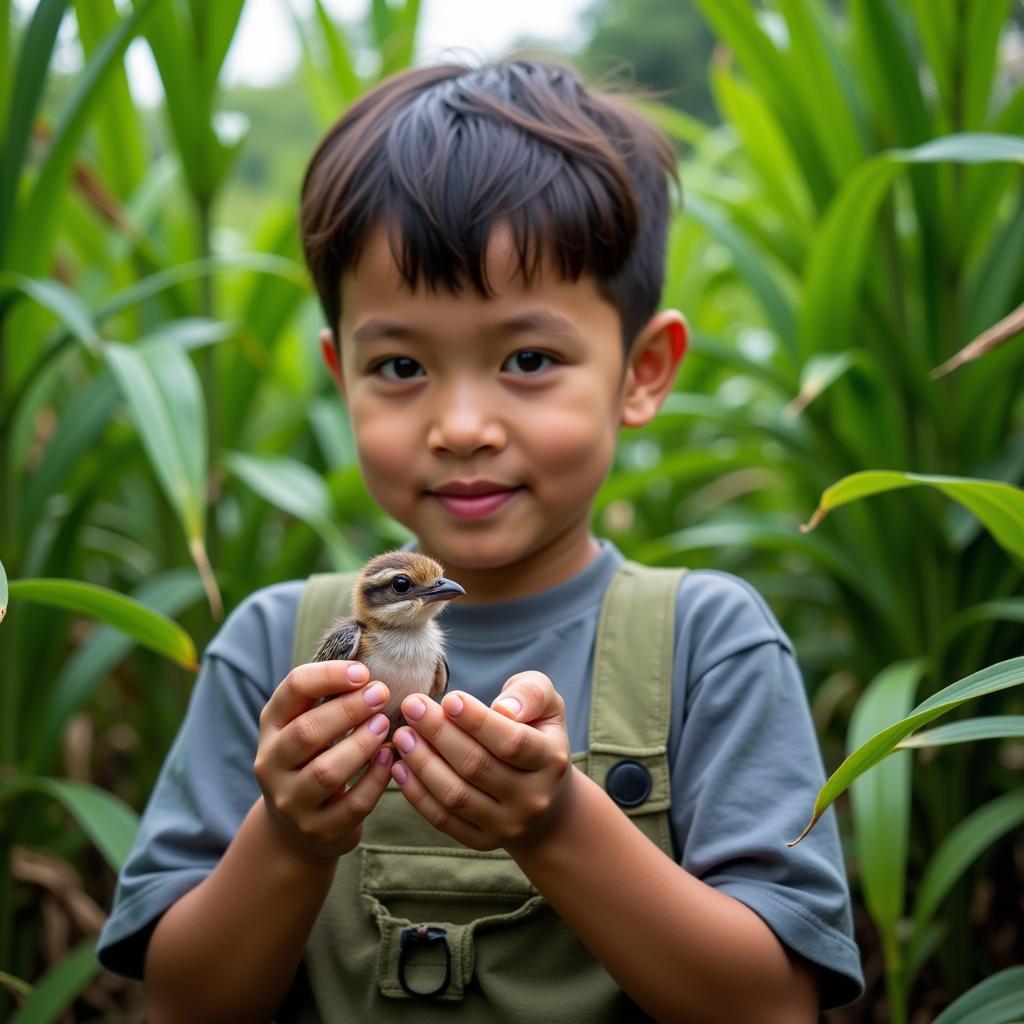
<point x="440" y="678"/>
<point x="340" y="642"/>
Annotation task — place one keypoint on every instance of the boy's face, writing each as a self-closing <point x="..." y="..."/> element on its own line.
<point x="486" y="426"/>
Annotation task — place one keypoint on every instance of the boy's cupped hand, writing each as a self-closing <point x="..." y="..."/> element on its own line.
<point x="308" y="751"/>
<point x="489" y="777"/>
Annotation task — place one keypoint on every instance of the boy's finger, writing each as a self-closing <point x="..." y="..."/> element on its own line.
<point x="306" y="684"/>
<point x="432" y="810"/>
<point x="320" y="726"/>
<point x="519" y="745"/>
<point x="346" y="810"/>
<point x="328" y="772"/>
<point x="528" y="696"/>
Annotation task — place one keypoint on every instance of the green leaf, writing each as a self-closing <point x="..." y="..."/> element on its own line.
<point x="59" y="300"/>
<point x="999" y="506"/>
<point x="169" y="593"/>
<point x="996" y="1000"/>
<point x="37" y="224"/>
<point x="342" y="65"/>
<point x="165" y="399"/>
<point x="294" y="488"/>
<point x="58" y="988"/>
<point x="33" y="62"/>
<point x="959" y="850"/>
<point x="151" y="629"/>
<point x="108" y="821"/>
<point x="989" y="680"/>
<point x="985" y="727"/>
<point x="881" y="799"/>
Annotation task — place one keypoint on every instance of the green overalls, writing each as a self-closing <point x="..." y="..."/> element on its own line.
<point x="417" y="927"/>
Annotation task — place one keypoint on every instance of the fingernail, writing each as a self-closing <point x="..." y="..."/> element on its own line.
<point x="453" y="704"/>
<point x="511" y="704"/>
<point x="414" y="708"/>
<point x="405" y="741"/>
<point x="401" y="773"/>
<point x="375" y="694"/>
<point x="357" y="673"/>
<point x="379" y="724"/>
<point x="384" y="755"/>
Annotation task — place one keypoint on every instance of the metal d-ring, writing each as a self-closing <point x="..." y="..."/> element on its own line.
<point x="423" y="935"/>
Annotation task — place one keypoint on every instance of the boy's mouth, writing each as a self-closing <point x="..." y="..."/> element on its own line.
<point x="473" y="499"/>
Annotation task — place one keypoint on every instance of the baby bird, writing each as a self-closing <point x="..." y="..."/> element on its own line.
<point x="392" y="629"/>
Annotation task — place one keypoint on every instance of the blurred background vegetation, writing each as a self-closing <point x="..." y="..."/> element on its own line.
<point x="853" y="219"/>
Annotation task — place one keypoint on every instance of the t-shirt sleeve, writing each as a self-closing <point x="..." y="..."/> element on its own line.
<point x="206" y="784"/>
<point x="746" y="768"/>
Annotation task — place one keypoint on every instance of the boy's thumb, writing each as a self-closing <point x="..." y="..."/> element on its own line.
<point x="526" y="697"/>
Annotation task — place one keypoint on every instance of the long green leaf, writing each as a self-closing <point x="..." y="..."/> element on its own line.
<point x="58" y="988"/>
<point x="342" y="66"/>
<point x="959" y="850"/>
<point x="296" y="489"/>
<point x="109" y="822"/>
<point x="999" y="506"/>
<point x="150" y="628"/>
<point x="165" y="399"/>
<point x="996" y="677"/>
<point x="881" y="799"/>
<point x="169" y="593"/>
<point x="37" y="225"/>
<point x="985" y="727"/>
<point x="60" y="300"/>
<point x="996" y="1000"/>
<point x="33" y="63"/>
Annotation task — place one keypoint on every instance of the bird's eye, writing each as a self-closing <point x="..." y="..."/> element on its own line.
<point x="401" y="584"/>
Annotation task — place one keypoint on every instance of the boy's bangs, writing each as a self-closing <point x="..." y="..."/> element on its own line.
<point x="440" y="157"/>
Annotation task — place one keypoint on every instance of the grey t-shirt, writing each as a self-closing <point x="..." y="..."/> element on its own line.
<point x="745" y="764"/>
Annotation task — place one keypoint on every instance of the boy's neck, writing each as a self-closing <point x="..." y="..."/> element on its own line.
<point x="541" y="570"/>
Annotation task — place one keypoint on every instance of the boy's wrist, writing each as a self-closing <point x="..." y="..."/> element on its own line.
<point x="559" y="822"/>
<point x="303" y="863"/>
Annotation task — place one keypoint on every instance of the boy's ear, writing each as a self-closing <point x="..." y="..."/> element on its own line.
<point x="652" y="364"/>
<point x="330" y="353"/>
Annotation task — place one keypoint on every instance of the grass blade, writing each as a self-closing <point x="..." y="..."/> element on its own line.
<point x="995" y="677"/>
<point x="33" y="63"/>
<point x="985" y="727"/>
<point x="996" y="1000"/>
<point x="881" y="799"/>
<point x="109" y="822"/>
<point x="58" y="988"/>
<point x="60" y="300"/>
<point x="999" y="506"/>
<point x="150" y="628"/>
<point x="165" y="400"/>
<point x="294" y="488"/>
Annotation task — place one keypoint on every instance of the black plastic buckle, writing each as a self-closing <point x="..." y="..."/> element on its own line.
<point x="423" y="935"/>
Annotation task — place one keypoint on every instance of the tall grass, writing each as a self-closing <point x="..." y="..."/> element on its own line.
<point x="169" y="443"/>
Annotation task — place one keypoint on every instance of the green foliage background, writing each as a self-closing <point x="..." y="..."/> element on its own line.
<point x="854" y="217"/>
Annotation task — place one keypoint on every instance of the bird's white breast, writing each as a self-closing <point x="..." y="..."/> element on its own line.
<point x="406" y="659"/>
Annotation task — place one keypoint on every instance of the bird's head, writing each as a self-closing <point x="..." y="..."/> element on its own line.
<point x="402" y="589"/>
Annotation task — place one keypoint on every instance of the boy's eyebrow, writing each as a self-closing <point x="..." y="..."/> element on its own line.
<point x="540" y="320"/>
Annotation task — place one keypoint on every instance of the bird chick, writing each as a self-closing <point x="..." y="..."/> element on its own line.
<point x="392" y="629"/>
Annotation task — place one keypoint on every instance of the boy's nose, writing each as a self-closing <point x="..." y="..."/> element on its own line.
<point x="463" y="425"/>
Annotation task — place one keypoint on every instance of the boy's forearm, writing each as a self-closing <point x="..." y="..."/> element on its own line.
<point x="678" y="947"/>
<point x="229" y="948"/>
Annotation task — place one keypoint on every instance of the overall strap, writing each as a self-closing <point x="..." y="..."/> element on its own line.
<point x="631" y="695"/>
<point x="325" y="597"/>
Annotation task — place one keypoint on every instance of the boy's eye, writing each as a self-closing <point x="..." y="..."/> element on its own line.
<point x="527" y="361"/>
<point x="399" y="368"/>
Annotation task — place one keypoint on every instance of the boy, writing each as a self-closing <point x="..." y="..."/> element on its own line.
<point x="488" y="248"/>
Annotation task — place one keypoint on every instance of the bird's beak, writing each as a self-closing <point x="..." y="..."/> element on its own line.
<point x="443" y="590"/>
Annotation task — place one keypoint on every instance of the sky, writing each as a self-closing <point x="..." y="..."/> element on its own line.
<point x="265" y="47"/>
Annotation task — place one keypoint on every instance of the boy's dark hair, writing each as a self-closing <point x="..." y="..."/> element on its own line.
<point x="440" y="155"/>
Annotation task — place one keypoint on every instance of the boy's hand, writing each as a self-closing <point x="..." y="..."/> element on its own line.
<point x="488" y="777"/>
<point x="303" y="777"/>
